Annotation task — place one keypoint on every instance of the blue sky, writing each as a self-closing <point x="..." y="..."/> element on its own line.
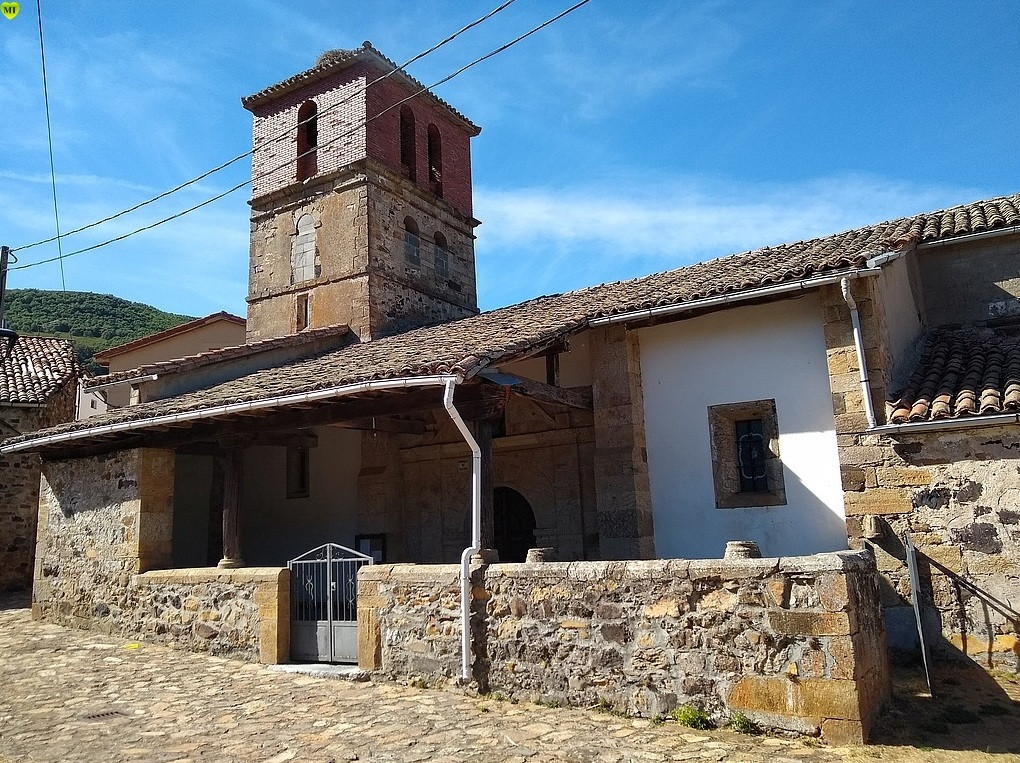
<point x="630" y="137"/>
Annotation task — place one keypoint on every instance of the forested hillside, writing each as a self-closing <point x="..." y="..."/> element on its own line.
<point x="93" y="321"/>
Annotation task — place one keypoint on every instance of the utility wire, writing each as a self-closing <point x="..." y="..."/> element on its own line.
<point x="49" y="137"/>
<point x="279" y="136"/>
<point x="342" y="135"/>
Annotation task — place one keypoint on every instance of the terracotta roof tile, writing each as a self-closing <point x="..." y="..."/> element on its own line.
<point x="468" y="345"/>
<point x="36" y="369"/>
<point x="963" y="372"/>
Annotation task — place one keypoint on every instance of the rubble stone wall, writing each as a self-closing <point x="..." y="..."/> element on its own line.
<point x="794" y="643"/>
<point x="106" y="521"/>
<point x="19" y="487"/>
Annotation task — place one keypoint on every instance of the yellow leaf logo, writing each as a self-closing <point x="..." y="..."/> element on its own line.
<point x="10" y="10"/>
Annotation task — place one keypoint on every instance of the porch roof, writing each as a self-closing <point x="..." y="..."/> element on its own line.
<point x="466" y="346"/>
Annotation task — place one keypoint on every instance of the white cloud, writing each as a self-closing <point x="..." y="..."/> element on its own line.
<point x="541" y="240"/>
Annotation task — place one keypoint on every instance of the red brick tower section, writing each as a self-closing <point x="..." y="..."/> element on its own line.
<point x="361" y="211"/>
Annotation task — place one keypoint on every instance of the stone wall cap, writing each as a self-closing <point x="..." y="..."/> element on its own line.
<point x="195" y="575"/>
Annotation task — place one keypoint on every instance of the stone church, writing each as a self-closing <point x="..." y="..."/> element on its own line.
<point x="816" y="400"/>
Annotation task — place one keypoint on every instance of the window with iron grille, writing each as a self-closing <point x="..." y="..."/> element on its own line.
<point x="746" y="468"/>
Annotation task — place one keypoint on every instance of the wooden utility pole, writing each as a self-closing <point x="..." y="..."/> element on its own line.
<point x="6" y="335"/>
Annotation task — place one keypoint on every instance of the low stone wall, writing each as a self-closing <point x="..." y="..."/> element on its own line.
<point x="793" y="643"/>
<point x="243" y="613"/>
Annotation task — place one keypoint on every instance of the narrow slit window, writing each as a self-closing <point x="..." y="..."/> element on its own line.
<point x="298" y="472"/>
<point x="302" y="312"/>
<point x="307" y="140"/>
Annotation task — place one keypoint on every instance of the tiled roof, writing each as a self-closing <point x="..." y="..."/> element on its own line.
<point x="468" y="345"/>
<point x="335" y="60"/>
<point x="36" y="369"/>
<point x="173" y="331"/>
<point x="963" y="372"/>
<point x="210" y="357"/>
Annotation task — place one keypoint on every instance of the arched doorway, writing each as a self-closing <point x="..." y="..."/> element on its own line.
<point x="513" y="524"/>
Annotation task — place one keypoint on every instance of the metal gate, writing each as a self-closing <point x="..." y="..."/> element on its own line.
<point x="324" y="604"/>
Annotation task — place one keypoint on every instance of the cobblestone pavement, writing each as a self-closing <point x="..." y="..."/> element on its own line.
<point x="68" y="695"/>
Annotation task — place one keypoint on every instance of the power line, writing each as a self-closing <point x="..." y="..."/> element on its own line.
<point x="280" y="136"/>
<point x="342" y="135"/>
<point x="49" y="137"/>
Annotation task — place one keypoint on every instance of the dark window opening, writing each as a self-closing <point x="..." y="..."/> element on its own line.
<point x="408" y="153"/>
<point x="435" y="161"/>
<point x="307" y="140"/>
<point x="302" y="312"/>
<point x="412" y="242"/>
<point x="371" y="544"/>
<point x="513" y="524"/>
<point x="298" y="472"/>
<point x="442" y="256"/>
<point x="751" y="456"/>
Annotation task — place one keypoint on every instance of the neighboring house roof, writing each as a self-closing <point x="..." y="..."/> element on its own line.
<point x="468" y="345"/>
<point x="37" y="368"/>
<point x="211" y="357"/>
<point x="105" y="356"/>
<point x="335" y="60"/>
<point x="962" y="372"/>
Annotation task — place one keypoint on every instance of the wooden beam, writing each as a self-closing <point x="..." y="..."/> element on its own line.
<point x="384" y="424"/>
<point x="575" y="397"/>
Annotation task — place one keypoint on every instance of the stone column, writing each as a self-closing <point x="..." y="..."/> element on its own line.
<point x="232" y="491"/>
<point x="623" y="495"/>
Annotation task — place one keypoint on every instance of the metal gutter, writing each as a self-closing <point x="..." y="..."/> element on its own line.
<point x="947" y="424"/>
<point x="970" y="237"/>
<point x="476" y="531"/>
<point x="22" y="405"/>
<point x="436" y="380"/>
<point x="132" y="380"/>
<point x="743" y="296"/>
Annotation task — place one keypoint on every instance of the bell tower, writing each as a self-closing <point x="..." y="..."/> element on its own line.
<point x="361" y="202"/>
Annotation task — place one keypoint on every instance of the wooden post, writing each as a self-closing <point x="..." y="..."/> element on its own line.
<point x="232" y="480"/>
<point x="483" y="434"/>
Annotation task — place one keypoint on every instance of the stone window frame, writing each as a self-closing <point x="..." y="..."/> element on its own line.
<point x="412" y="241"/>
<point x="722" y="425"/>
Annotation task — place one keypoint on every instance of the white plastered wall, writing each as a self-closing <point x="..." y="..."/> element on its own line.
<point x="772" y="351"/>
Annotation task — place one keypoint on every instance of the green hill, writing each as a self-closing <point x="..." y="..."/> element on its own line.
<point x="94" y="321"/>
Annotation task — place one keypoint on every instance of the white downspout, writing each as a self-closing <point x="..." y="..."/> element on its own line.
<point x="855" y="319"/>
<point x="476" y="531"/>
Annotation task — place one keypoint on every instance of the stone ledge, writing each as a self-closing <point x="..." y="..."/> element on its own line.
<point x="199" y="575"/>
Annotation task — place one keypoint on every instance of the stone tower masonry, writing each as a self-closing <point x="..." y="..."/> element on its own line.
<point x="361" y="211"/>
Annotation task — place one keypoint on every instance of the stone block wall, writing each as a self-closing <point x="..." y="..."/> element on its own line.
<point x="417" y="488"/>
<point x="956" y="492"/>
<point x="19" y="487"/>
<point x="620" y="457"/>
<point x="794" y="643"/>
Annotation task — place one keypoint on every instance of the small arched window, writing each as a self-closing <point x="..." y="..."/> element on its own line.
<point x="412" y="242"/>
<point x="408" y="152"/>
<point x="442" y="256"/>
<point x="435" y="161"/>
<point x="307" y="140"/>
<point x="304" y="265"/>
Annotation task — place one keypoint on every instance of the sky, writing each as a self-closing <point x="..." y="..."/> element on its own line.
<point x="630" y="137"/>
